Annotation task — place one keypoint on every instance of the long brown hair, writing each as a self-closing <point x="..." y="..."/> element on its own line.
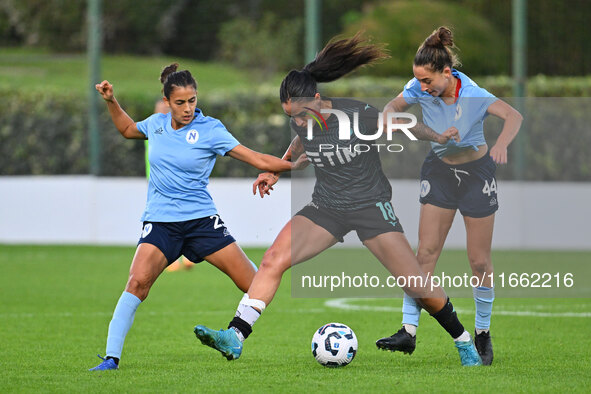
<point x="337" y="58"/>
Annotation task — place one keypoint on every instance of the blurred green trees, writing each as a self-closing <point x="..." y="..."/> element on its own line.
<point x="43" y="127"/>
<point x="270" y="45"/>
<point x="404" y="25"/>
<point x="241" y="31"/>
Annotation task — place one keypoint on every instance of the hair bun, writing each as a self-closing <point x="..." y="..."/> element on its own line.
<point x="437" y="51"/>
<point x="442" y="37"/>
<point x="167" y="71"/>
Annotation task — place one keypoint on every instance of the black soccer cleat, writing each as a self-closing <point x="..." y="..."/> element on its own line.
<point x="484" y="347"/>
<point x="402" y="341"/>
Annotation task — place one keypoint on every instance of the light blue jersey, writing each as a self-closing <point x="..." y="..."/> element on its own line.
<point x="180" y="164"/>
<point x="466" y="114"/>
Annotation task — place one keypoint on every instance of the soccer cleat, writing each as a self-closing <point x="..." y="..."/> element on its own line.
<point x="468" y="354"/>
<point x="484" y="347"/>
<point x="402" y="341"/>
<point x="224" y="341"/>
<point x="105" y="365"/>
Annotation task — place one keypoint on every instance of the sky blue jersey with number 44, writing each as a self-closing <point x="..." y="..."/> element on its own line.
<point x="466" y="114"/>
<point x="180" y="164"/>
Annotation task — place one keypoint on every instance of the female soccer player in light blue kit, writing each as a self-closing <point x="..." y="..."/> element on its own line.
<point x="456" y="175"/>
<point x="180" y="217"/>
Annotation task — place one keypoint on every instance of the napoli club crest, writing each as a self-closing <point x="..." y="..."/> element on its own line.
<point x="425" y="188"/>
<point x="192" y="136"/>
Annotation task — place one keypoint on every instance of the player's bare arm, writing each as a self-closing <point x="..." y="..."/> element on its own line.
<point x="513" y="120"/>
<point x="122" y="121"/>
<point x="420" y="131"/>
<point x="425" y="133"/>
<point x="260" y="160"/>
<point x="265" y="181"/>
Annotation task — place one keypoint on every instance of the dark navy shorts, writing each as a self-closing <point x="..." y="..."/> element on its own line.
<point x="367" y="222"/>
<point x="470" y="187"/>
<point x="193" y="239"/>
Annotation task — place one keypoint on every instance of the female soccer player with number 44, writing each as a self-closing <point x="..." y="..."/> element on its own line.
<point x="455" y="175"/>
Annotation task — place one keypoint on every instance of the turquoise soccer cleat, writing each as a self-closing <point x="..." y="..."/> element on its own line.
<point x="224" y="341"/>
<point x="468" y="354"/>
<point x="105" y="365"/>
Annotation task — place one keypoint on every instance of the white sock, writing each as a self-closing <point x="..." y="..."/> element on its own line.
<point x="480" y="331"/>
<point x="248" y="314"/>
<point x="411" y="329"/>
<point x="248" y="311"/>
<point x="464" y="337"/>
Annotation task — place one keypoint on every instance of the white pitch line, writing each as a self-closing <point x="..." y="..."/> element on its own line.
<point x="337" y="303"/>
<point x="344" y="303"/>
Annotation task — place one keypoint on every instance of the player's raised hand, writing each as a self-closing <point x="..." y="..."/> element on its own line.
<point x="264" y="183"/>
<point x="451" y="133"/>
<point x="105" y="89"/>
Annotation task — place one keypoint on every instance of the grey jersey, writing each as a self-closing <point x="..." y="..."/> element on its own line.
<point x="347" y="176"/>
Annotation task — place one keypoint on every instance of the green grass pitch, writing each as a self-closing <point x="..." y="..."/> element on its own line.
<point x="56" y="303"/>
<point x="38" y="70"/>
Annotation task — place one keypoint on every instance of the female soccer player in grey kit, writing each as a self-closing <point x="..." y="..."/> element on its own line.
<point x="351" y="193"/>
<point x="455" y="175"/>
<point x="180" y="217"/>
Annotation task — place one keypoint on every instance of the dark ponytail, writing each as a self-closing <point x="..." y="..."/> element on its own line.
<point x="436" y="51"/>
<point x="338" y="58"/>
<point x="170" y="78"/>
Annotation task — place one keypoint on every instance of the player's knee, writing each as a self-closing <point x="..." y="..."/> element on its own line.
<point x="427" y="255"/>
<point x="138" y="287"/>
<point x="480" y="265"/>
<point x="275" y="261"/>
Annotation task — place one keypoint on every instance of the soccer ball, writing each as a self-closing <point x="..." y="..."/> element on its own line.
<point x="334" y="345"/>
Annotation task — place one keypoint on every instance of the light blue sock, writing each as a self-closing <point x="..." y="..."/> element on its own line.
<point x="483" y="299"/>
<point x="121" y="323"/>
<point x="411" y="311"/>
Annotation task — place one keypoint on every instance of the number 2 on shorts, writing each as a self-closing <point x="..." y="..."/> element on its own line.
<point x="217" y="223"/>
